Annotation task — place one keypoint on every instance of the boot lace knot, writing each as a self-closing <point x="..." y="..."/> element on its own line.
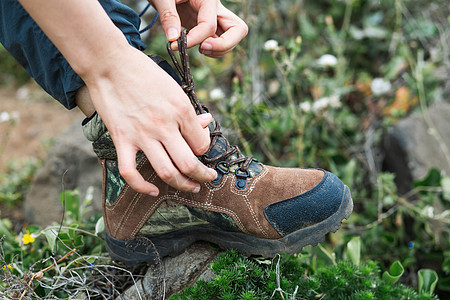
<point x="229" y="158"/>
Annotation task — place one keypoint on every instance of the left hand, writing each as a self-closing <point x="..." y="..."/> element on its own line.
<point x="211" y="25"/>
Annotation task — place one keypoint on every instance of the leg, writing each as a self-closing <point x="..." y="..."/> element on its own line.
<point x="23" y="38"/>
<point x="83" y="101"/>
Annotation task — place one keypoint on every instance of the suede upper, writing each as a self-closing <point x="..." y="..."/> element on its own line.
<point x="125" y="217"/>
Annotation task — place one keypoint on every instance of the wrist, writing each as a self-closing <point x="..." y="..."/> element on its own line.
<point x="99" y="61"/>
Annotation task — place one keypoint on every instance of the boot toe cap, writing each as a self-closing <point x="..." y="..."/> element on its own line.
<point x="309" y="208"/>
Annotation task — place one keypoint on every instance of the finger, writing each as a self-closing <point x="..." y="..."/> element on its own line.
<point x="206" y="23"/>
<point x="127" y="168"/>
<point x="233" y="30"/>
<point x="170" y="20"/>
<point x="186" y="161"/>
<point x="205" y="119"/>
<point x="218" y="46"/>
<point x="164" y="167"/>
<point x="193" y="133"/>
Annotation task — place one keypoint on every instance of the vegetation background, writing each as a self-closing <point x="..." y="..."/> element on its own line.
<point x="315" y="84"/>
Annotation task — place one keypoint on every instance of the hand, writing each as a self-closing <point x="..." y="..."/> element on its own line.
<point x="145" y="109"/>
<point x="140" y="104"/>
<point x="212" y="26"/>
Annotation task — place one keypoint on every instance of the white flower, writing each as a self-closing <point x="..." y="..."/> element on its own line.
<point x="356" y="33"/>
<point x="320" y="104"/>
<point x="375" y="32"/>
<point x="428" y="211"/>
<point x="274" y="87"/>
<point x="324" y="102"/>
<point x="4" y="116"/>
<point x="334" y="101"/>
<point x="305" y="107"/>
<point x="379" y="86"/>
<point x="271" y="45"/>
<point x="23" y="93"/>
<point x="327" y="60"/>
<point x="216" y="94"/>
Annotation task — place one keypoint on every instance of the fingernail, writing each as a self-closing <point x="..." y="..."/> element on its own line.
<point x="153" y="194"/>
<point x="172" y="34"/>
<point x="213" y="173"/>
<point x="196" y="190"/>
<point x="206" y="46"/>
<point x="206" y="52"/>
<point x="205" y="116"/>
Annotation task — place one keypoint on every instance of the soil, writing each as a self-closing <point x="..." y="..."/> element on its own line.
<point x="29" y="120"/>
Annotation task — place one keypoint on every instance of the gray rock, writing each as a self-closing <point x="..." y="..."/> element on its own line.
<point x="412" y="147"/>
<point x="174" y="273"/>
<point x="73" y="153"/>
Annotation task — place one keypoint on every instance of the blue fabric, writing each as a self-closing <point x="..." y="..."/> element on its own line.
<point x="307" y="209"/>
<point x="29" y="45"/>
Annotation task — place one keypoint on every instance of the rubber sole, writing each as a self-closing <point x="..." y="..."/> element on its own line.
<point x="149" y="250"/>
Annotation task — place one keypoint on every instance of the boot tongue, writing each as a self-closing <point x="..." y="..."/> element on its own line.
<point x="221" y="145"/>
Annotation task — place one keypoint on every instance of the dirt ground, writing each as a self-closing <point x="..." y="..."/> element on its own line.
<point x="29" y="121"/>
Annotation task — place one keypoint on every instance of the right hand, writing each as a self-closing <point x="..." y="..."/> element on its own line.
<point x="211" y="25"/>
<point x="145" y="109"/>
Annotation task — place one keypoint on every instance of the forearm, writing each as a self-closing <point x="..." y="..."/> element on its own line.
<point x="81" y="30"/>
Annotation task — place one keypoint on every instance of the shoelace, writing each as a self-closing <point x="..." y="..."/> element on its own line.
<point x="227" y="158"/>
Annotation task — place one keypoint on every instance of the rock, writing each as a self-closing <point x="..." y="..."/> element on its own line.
<point x="412" y="147"/>
<point x="174" y="273"/>
<point x="73" y="153"/>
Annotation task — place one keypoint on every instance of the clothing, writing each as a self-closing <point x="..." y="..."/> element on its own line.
<point x="29" y="45"/>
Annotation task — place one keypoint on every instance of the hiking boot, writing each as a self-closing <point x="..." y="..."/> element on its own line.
<point x="251" y="207"/>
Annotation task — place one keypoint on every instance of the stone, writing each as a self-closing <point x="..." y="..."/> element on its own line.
<point x="70" y="160"/>
<point x="417" y="143"/>
<point x="174" y="273"/>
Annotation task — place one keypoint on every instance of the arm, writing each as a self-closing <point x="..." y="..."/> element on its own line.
<point x="125" y="88"/>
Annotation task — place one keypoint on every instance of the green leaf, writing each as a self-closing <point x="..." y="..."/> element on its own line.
<point x="427" y="281"/>
<point x="446" y="263"/>
<point x="73" y="232"/>
<point x="433" y="178"/>
<point x="65" y="240"/>
<point x="328" y="254"/>
<point x="99" y="226"/>
<point x="79" y="241"/>
<point x="395" y="272"/>
<point x="50" y="235"/>
<point x="445" y="183"/>
<point x="354" y="250"/>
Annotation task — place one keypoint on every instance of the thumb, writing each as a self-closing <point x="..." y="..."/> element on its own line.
<point x="169" y="18"/>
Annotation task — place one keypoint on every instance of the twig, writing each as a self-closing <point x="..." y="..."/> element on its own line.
<point x="278" y="289"/>
<point x="40" y="274"/>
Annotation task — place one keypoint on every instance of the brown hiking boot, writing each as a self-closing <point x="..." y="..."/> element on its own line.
<point x="256" y="209"/>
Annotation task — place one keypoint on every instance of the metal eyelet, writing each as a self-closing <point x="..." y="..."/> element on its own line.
<point x="222" y="167"/>
<point x="241" y="178"/>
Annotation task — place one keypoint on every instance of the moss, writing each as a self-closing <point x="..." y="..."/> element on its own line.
<point x="239" y="277"/>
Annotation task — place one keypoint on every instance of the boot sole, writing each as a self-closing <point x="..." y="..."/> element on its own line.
<point x="150" y="250"/>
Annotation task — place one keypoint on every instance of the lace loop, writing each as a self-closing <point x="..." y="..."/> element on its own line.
<point x="232" y="155"/>
<point x="184" y="70"/>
